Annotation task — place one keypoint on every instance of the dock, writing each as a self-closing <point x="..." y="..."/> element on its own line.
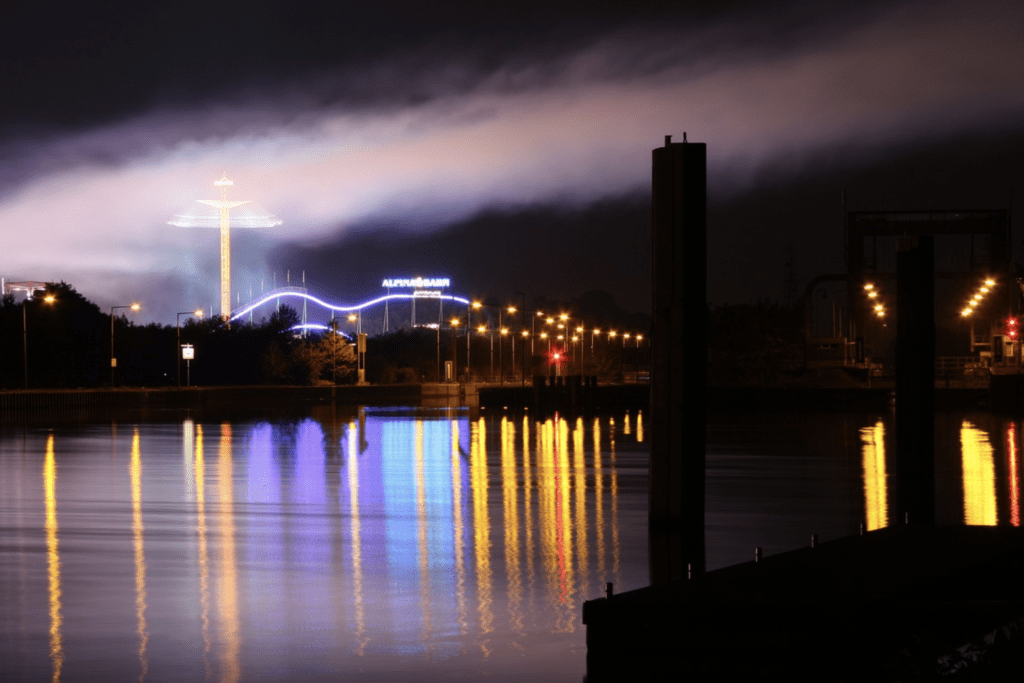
<point x="903" y="603"/>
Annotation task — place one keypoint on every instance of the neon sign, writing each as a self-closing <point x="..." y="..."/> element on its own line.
<point x="417" y="282"/>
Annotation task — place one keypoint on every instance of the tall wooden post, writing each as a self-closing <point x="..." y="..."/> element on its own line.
<point x="915" y="380"/>
<point x="678" y="359"/>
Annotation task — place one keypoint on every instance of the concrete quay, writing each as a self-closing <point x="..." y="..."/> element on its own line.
<point x="905" y="603"/>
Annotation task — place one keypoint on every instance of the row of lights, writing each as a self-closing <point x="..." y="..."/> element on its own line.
<point x="562" y="324"/>
<point x="876" y="303"/>
<point x="977" y="297"/>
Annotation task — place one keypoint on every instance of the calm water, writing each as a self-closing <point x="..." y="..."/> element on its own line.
<point x="404" y="544"/>
<point x="385" y="545"/>
<point x="774" y="479"/>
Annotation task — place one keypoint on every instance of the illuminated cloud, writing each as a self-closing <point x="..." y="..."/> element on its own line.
<point x="567" y="132"/>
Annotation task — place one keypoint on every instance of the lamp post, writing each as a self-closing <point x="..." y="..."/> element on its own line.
<point x="455" y="347"/>
<point x="177" y="350"/>
<point x="501" y="360"/>
<point x="334" y="351"/>
<point x="49" y="298"/>
<point x="583" y="346"/>
<point x="523" y="323"/>
<point x="490" y="333"/>
<point x="113" y="360"/>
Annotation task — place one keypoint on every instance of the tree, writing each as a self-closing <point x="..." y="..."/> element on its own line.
<point x="330" y="359"/>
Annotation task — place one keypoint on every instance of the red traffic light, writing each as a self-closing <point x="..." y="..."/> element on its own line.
<point x="1011" y="328"/>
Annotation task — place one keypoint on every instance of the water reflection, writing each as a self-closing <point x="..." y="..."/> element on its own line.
<point x="876" y="508"/>
<point x="228" y="585"/>
<point x="423" y="535"/>
<point x="202" y="553"/>
<point x="53" y="560"/>
<point x="397" y="540"/>
<point x="979" y="476"/>
<point x="138" y="530"/>
<point x="1014" y="478"/>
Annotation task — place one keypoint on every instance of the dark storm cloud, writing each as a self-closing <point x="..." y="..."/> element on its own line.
<point x="436" y="132"/>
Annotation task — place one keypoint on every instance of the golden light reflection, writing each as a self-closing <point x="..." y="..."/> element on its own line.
<point x="876" y="509"/>
<point x="188" y="440"/>
<point x="203" y="555"/>
<point x="528" y="523"/>
<point x="979" y="477"/>
<point x="53" y="560"/>
<point x="613" y="489"/>
<point x="564" y="529"/>
<point x="640" y="426"/>
<point x="556" y="521"/>
<point x="135" y="470"/>
<point x="228" y="585"/>
<point x="481" y="529"/>
<point x="421" y="532"/>
<point x="599" y="497"/>
<point x="1011" y="456"/>
<point x="355" y="529"/>
<point x="580" y="488"/>
<point x="458" y="529"/>
<point x="547" y="517"/>
<point x="510" y="500"/>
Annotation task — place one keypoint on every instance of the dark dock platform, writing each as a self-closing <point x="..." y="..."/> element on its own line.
<point x="906" y="603"/>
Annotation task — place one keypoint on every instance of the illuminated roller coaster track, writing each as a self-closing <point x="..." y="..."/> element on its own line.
<point x="302" y="293"/>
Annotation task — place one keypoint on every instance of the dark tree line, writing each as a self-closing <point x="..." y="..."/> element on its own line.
<point x="69" y="345"/>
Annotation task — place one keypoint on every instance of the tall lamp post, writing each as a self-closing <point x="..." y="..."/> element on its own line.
<point x="512" y="309"/>
<point x="483" y="329"/>
<point x="583" y="347"/>
<point x="49" y="298"/>
<point x="455" y="347"/>
<point x="334" y="351"/>
<point x="113" y="360"/>
<point x="177" y="350"/>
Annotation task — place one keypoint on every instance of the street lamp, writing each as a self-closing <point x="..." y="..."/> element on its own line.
<point x="113" y="360"/>
<point x="49" y="298"/>
<point x="177" y="351"/>
<point x="490" y="333"/>
<point x="455" y="347"/>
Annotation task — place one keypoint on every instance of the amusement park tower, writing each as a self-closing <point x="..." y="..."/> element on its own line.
<point x="252" y="217"/>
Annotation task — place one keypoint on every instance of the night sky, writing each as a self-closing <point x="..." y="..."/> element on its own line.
<point x="506" y="146"/>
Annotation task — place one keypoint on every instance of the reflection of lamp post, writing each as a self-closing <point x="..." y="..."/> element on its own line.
<point x="49" y="298"/>
<point x="113" y="360"/>
<point x="177" y="351"/>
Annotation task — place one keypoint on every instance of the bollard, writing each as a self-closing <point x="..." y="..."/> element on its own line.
<point x="814" y="540"/>
<point x="757" y="554"/>
<point x="862" y="528"/>
<point x="689" y="570"/>
<point x="906" y="517"/>
<point x="609" y="590"/>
